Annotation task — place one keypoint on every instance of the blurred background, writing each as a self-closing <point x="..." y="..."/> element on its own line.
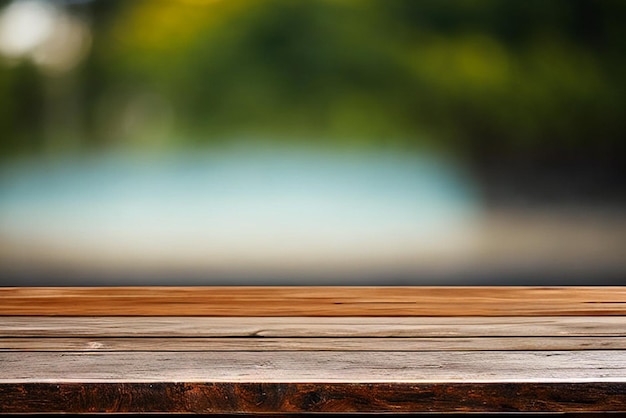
<point x="348" y="142"/>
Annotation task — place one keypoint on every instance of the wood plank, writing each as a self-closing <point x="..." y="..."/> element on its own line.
<point x="277" y="398"/>
<point x="272" y="398"/>
<point x="315" y="367"/>
<point x="288" y="350"/>
<point x="314" y="301"/>
<point x="27" y="326"/>
<point x="313" y="344"/>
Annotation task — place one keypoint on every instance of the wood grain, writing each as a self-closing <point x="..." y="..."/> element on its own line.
<point x="276" y="350"/>
<point x="315" y="367"/>
<point x="272" y="398"/>
<point x="25" y="326"/>
<point x="314" y="301"/>
<point x="98" y="344"/>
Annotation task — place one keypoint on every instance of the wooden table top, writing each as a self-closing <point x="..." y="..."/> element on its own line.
<point x="258" y="350"/>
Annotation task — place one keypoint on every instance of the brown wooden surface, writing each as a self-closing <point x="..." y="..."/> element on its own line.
<point x="266" y="398"/>
<point x="304" y="350"/>
<point x="315" y="301"/>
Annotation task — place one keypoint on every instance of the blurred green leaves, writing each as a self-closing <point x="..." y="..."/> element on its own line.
<point x="471" y="77"/>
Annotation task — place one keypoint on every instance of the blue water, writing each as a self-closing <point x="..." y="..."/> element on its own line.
<point x="260" y="207"/>
<point x="299" y="187"/>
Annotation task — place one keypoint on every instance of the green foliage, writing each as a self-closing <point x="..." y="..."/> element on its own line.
<point x="486" y="76"/>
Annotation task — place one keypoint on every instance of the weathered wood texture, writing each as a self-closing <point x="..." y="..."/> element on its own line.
<point x="312" y="327"/>
<point x="103" y="344"/>
<point x="316" y="367"/>
<point x="314" y="301"/>
<point x="350" y="350"/>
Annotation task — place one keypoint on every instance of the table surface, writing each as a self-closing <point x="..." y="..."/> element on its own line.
<point x="257" y="350"/>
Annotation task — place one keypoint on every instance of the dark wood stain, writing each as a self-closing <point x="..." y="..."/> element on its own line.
<point x="235" y="398"/>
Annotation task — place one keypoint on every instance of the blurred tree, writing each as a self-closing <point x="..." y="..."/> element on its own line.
<point x="476" y="78"/>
